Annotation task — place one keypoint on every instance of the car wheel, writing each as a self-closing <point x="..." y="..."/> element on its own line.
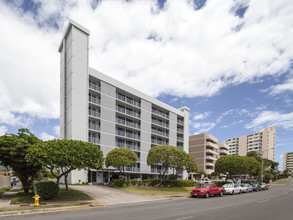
<point x="207" y="195"/>
<point x="246" y="191"/>
<point x="221" y="193"/>
<point x="233" y="192"/>
<point x="240" y="192"/>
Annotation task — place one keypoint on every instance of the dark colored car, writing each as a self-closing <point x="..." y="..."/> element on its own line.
<point x="256" y="187"/>
<point x="207" y="190"/>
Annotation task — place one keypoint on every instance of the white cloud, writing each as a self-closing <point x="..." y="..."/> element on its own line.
<point x="3" y="130"/>
<point x="203" y="127"/>
<point x="281" y="88"/>
<point x="200" y="116"/>
<point x="272" y="118"/>
<point x="10" y="118"/>
<point x="232" y="124"/>
<point x="57" y="130"/>
<point x="45" y="136"/>
<point x="178" y="51"/>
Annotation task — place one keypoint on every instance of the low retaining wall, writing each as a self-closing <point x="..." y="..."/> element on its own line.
<point x="4" y="181"/>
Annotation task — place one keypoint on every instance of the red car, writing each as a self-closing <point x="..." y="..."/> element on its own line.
<point x="207" y="190"/>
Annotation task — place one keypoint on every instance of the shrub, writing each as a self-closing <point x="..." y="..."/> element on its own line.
<point x="267" y="177"/>
<point x="145" y="182"/>
<point x="118" y="182"/>
<point x="139" y="183"/>
<point x="219" y="184"/>
<point x="47" y="190"/>
<point x="154" y="182"/>
<point x="127" y="182"/>
<point x="134" y="182"/>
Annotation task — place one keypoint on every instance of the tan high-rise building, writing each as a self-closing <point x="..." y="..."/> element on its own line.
<point x="263" y="141"/>
<point x="206" y="150"/>
<point x="288" y="161"/>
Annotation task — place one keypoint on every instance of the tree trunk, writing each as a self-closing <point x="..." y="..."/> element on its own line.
<point x="65" y="179"/>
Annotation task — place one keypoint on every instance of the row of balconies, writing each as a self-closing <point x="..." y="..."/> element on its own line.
<point x="128" y="123"/>
<point x="128" y="134"/>
<point x="180" y="121"/>
<point x="94" y="140"/>
<point x="128" y="111"/>
<point x="128" y="100"/>
<point x="159" y="141"/>
<point x="94" y="113"/>
<point x="129" y="146"/>
<point x="160" y="113"/>
<point x="94" y="127"/>
<point x="94" y="99"/>
<point x="161" y="133"/>
<point x="160" y="123"/>
<point x="94" y="86"/>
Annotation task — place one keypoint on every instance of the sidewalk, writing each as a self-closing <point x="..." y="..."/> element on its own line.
<point x="6" y="197"/>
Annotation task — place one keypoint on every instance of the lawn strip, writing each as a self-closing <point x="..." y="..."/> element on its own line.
<point x="5" y="189"/>
<point x="156" y="191"/>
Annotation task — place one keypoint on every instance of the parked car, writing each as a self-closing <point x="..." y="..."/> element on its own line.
<point x="232" y="188"/>
<point x="207" y="190"/>
<point x="264" y="186"/>
<point x="246" y="188"/>
<point x="256" y="187"/>
<point x="204" y="180"/>
<point x="13" y="181"/>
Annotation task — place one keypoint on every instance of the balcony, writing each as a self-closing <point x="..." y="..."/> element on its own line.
<point x="159" y="142"/>
<point x="127" y="100"/>
<point x="213" y="145"/>
<point x="210" y="164"/>
<point x="180" y="130"/>
<point x="128" y="135"/>
<point x="156" y="170"/>
<point x="128" y="123"/>
<point x="211" y="158"/>
<point x="162" y="124"/>
<point x="160" y="133"/>
<point x="224" y="151"/>
<point x="211" y="151"/>
<point x="181" y="122"/>
<point x="94" y="100"/>
<point x="94" y="127"/>
<point x="128" y="112"/>
<point x="94" y="114"/>
<point x="94" y="87"/>
<point x="132" y="169"/>
<point x="94" y="140"/>
<point x="161" y="114"/>
<point x="180" y="139"/>
<point x="135" y="147"/>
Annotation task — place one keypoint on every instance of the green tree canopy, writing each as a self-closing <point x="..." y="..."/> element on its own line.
<point x="169" y="157"/>
<point x="13" y="151"/>
<point x="65" y="156"/>
<point x="232" y="165"/>
<point x="121" y="158"/>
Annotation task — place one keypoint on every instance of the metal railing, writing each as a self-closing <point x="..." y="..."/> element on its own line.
<point x="94" y="86"/>
<point x="94" y="127"/>
<point x="94" y="113"/>
<point x="94" y="140"/>
<point x="159" y="113"/>
<point x="94" y="100"/>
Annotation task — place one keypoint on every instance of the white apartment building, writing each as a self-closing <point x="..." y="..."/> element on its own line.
<point x="263" y="141"/>
<point x="288" y="161"/>
<point x="99" y="109"/>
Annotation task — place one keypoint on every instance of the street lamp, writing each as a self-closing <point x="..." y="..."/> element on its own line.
<point x="261" y="177"/>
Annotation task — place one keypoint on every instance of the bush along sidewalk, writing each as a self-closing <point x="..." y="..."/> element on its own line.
<point x="153" y="182"/>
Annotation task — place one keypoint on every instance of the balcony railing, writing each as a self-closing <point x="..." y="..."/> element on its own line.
<point x="162" y="114"/>
<point x="94" y="86"/>
<point x="94" y="127"/>
<point x="94" y="113"/>
<point x="163" y="124"/>
<point x="132" y="169"/>
<point x="179" y="139"/>
<point x="127" y="100"/>
<point x="154" y="141"/>
<point x="180" y="130"/>
<point x="129" y="146"/>
<point x="164" y="134"/>
<point x="126" y="134"/>
<point x="128" y="112"/>
<point x="180" y="122"/>
<point x="94" y="140"/>
<point x="94" y="100"/>
<point x="156" y="170"/>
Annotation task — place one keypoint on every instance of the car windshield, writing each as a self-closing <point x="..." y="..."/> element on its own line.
<point x="228" y="186"/>
<point x="203" y="186"/>
<point x="243" y="185"/>
<point x="253" y="184"/>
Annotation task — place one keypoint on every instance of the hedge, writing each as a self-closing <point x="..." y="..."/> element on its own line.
<point x="47" y="190"/>
<point x="153" y="182"/>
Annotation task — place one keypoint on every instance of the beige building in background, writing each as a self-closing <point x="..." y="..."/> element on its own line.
<point x="288" y="161"/>
<point x="263" y="141"/>
<point x="205" y="149"/>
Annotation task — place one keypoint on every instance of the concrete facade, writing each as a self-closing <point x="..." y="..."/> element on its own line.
<point x="263" y="141"/>
<point x="205" y="149"/>
<point x="288" y="161"/>
<point x="99" y="109"/>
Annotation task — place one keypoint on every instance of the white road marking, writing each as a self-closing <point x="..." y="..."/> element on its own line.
<point x="263" y="200"/>
<point x="189" y="217"/>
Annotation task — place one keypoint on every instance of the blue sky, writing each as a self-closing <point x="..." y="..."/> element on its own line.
<point x="229" y="61"/>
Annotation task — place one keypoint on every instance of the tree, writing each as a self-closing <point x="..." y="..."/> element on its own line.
<point x="13" y="151"/>
<point x="169" y="157"/>
<point x="287" y="172"/>
<point x="232" y="166"/>
<point x="182" y="161"/>
<point x="200" y="173"/>
<point x="65" y="156"/>
<point x="120" y="158"/>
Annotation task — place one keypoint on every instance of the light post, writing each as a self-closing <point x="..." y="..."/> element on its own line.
<point x="261" y="177"/>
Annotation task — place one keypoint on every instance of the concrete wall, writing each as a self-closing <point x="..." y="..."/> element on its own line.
<point x="4" y="181"/>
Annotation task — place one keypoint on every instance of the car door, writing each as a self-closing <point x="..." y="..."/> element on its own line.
<point x="213" y="189"/>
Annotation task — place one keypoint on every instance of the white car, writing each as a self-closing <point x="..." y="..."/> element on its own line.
<point x="246" y="188"/>
<point x="232" y="188"/>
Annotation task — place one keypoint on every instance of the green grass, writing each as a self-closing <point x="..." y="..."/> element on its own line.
<point x="63" y="196"/>
<point x="282" y="181"/>
<point x="5" y="189"/>
<point x="156" y="191"/>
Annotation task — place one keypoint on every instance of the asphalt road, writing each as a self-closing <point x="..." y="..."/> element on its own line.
<point x="274" y="204"/>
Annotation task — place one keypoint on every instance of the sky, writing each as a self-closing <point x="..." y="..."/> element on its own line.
<point x="230" y="62"/>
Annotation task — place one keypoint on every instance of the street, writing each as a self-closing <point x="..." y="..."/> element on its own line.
<point x="276" y="203"/>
